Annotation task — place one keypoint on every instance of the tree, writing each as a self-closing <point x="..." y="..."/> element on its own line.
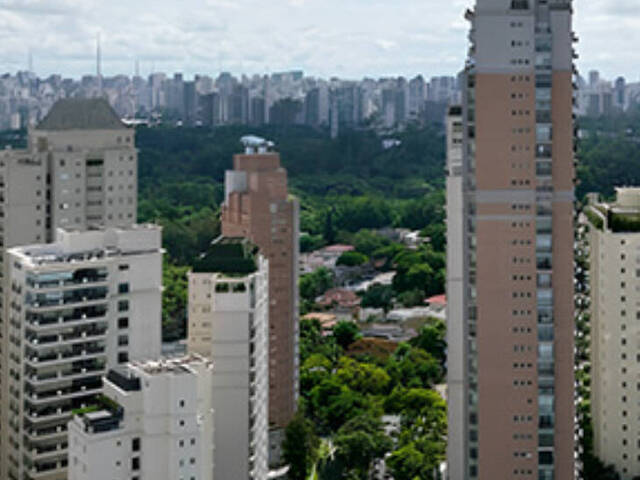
<point x="312" y="285"/>
<point x="174" y="301"/>
<point x="345" y="333"/>
<point x="331" y="404"/>
<point x="352" y="259"/>
<point x="432" y="339"/>
<point x="378" y="296"/>
<point x="299" y="448"/>
<point x="413" y="367"/>
<point x="407" y="463"/>
<point x="367" y="242"/>
<point x="411" y="298"/>
<point x="359" y="442"/>
<point x="362" y="377"/>
<point x="309" y="243"/>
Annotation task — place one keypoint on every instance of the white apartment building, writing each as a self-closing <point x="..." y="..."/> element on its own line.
<point x="614" y="244"/>
<point x="76" y="307"/>
<point x="78" y="172"/>
<point x="228" y="322"/>
<point x="154" y="422"/>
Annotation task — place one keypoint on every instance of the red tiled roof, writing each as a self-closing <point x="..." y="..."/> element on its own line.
<point x="437" y="300"/>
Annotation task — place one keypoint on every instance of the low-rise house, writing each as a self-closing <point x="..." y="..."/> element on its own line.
<point x="341" y="302"/>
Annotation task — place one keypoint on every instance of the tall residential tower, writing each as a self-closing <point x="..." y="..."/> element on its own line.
<point x="258" y="207"/>
<point x="72" y="308"/>
<point x="510" y="198"/>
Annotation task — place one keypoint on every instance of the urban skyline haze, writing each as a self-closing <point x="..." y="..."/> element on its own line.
<point x="349" y="39"/>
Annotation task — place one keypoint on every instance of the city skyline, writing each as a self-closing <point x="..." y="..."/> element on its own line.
<point x="368" y="38"/>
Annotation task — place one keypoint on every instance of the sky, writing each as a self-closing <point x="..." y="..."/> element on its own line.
<point x="343" y="38"/>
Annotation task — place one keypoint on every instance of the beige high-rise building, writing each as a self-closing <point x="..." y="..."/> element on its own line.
<point x="77" y="173"/>
<point x="614" y="243"/>
<point x="511" y="223"/>
<point x="258" y="207"/>
<point x="228" y="323"/>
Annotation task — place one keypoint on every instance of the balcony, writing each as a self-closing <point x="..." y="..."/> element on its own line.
<point x="51" y="378"/>
<point x="71" y="338"/>
<point x="68" y="279"/>
<point x="56" y="299"/>
<point x="49" y="414"/>
<point x="71" y="318"/>
<point x="68" y="393"/>
<point x="47" y="433"/>
<point x="46" y="469"/>
<point x="55" y="358"/>
<point x="47" y="452"/>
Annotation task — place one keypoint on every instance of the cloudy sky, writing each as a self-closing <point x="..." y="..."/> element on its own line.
<point x="346" y="38"/>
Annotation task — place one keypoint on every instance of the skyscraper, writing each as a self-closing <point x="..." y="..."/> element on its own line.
<point x="511" y="305"/>
<point x="258" y="207"/>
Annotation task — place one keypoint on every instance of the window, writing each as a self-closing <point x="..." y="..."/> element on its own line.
<point x="123" y="357"/>
<point x="135" y="463"/>
<point x="123" y="323"/>
<point x="123" y="340"/>
<point x="123" y="306"/>
<point x="123" y="288"/>
<point x="135" y="445"/>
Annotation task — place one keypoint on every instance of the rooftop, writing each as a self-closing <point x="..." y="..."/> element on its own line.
<point x="175" y="365"/>
<point x="81" y="114"/>
<point x="621" y="216"/>
<point x="73" y="252"/>
<point x="230" y="256"/>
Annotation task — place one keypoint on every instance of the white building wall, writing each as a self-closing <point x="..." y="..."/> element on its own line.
<point x="615" y="330"/>
<point x="456" y="317"/>
<point x="171" y="416"/>
<point x="223" y="325"/>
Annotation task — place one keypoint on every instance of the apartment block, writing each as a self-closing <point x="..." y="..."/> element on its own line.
<point x="614" y="243"/>
<point x="258" y="207"/>
<point x="228" y="323"/>
<point x="88" y="301"/>
<point x="78" y="172"/>
<point x="510" y="303"/>
<point x="154" y="421"/>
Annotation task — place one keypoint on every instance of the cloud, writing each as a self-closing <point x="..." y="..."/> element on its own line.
<point x="352" y="38"/>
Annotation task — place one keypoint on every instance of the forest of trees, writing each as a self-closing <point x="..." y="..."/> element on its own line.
<point x="346" y="187"/>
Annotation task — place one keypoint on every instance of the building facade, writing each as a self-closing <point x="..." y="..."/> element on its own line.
<point x="154" y="422"/>
<point x="88" y="301"/>
<point x="615" y="391"/>
<point x="78" y="172"/>
<point x="513" y="315"/>
<point x="228" y="323"/>
<point x="258" y="207"/>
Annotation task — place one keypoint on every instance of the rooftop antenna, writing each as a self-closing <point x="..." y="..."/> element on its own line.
<point x="99" y="64"/>
<point x="30" y="60"/>
<point x="137" y="67"/>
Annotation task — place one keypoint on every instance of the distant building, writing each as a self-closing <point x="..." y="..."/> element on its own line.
<point x="154" y="421"/>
